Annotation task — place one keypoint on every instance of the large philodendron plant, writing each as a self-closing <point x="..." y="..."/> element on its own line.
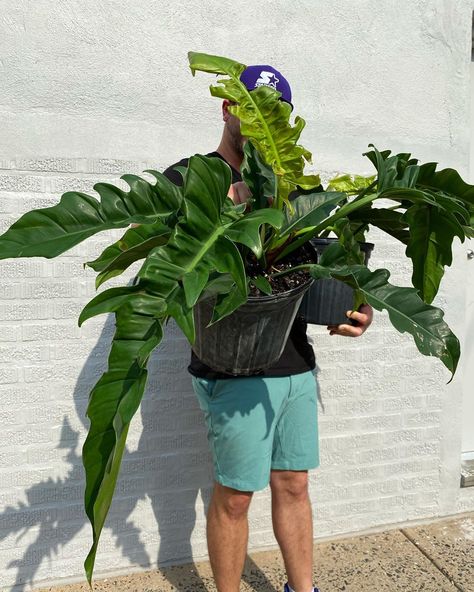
<point x="194" y="243"/>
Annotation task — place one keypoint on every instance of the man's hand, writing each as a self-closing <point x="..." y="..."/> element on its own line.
<point x="239" y="192"/>
<point x="363" y="318"/>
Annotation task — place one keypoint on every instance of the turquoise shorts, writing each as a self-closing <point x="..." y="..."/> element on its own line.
<point x="256" y="424"/>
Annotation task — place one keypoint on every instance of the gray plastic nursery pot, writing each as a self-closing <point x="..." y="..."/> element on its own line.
<point x="328" y="300"/>
<point x="250" y="339"/>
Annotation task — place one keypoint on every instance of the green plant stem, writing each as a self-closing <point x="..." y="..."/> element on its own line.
<point x="366" y="190"/>
<point x="290" y="270"/>
<point x="357" y="229"/>
<point x="270" y="244"/>
<point x="343" y="212"/>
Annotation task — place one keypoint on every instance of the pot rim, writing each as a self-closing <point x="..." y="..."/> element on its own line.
<point x="270" y="297"/>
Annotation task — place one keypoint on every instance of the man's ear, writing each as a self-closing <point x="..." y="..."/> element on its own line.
<point x="225" y="110"/>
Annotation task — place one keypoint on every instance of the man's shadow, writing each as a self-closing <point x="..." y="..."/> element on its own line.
<point x="172" y="449"/>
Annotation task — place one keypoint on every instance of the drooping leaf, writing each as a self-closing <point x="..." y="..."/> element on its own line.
<point x="430" y="246"/>
<point x="407" y="311"/>
<point x="112" y="405"/>
<point x="113" y="299"/>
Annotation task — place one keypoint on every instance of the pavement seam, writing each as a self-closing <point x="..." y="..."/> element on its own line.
<point x="439" y="567"/>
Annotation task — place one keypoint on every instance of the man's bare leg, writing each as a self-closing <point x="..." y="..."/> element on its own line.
<point x="227" y="536"/>
<point x="293" y="526"/>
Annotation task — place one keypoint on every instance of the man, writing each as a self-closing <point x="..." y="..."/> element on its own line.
<point x="262" y="429"/>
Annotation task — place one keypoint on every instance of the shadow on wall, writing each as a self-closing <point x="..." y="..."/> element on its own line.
<point x="170" y="466"/>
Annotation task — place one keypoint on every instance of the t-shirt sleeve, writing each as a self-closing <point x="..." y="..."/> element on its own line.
<point x="173" y="175"/>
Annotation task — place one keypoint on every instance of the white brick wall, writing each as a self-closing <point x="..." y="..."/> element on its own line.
<point x="389" y="425"/>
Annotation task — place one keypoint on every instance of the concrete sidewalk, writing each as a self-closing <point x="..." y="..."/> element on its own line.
<point x="433" y="557"/>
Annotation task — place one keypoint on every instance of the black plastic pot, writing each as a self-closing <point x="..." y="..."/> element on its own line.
<point x="250" y="339"/>
<point x="328" y="300"/>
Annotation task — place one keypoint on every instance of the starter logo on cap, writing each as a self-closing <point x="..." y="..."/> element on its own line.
<point x="267" y="79"/>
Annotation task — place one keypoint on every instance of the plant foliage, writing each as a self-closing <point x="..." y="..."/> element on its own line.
<point x="193" y="242"/>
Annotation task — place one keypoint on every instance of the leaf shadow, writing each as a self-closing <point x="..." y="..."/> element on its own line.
<point x="170" y="468"/>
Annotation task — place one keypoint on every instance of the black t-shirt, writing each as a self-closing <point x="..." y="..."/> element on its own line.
<point x="298" y="355"/>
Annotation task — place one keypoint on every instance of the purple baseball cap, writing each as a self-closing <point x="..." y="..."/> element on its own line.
<point x="255" y="76"/>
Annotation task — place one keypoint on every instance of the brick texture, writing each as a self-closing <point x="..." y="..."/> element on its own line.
<point x="379" y="418"/>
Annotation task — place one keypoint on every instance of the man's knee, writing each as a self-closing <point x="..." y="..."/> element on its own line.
<point x="233" y="503"/>
<point x="291" y="484"/>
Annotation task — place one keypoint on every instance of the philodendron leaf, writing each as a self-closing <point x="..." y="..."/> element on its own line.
<point x="350" y="183"/>
<point x="247" y="230"/>
<point x="194" y="282"/>
<point x="218" y="284"/>
<point x="348" y="241"/>
<point x="407" y="311"/>
<point x="113" y="299"/>
<point x="135" y="244"/>
<point x="310" y="210"/>
<point x="112" y="404"/>
<point x="51" y="231"/>
<point x="262" y="284"/>
<point x="259" y="177"/>
<point x="226" y="304"/>
<point x="390" y="221"/>
<point x="393" y="171"/>
<point x="400" y="170"/>
<point x="430" y="246"/>
<point x="264" y="119"/>
<point x="198" y="245"/>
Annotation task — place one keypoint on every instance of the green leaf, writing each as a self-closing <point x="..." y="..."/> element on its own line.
<point x="247" y="230"/>
<point x="51" y="231"/>
<point x="214" y="64"/>
<point x="197" y="245"/>
<point x="348" y="242"/>
<point x="393" y="171"/>
<point x="350" y="183"/>
<point x="401" y="170"/>
<point x="262" y="284"/>
<point x="258" y="176"/>
<point x="390" y="221"/>
<point x="112" y="404"/>
<point x="226" y="304"/>
<point x="447" y="181"/>
<point x="135" y="244"/>
<point x="264" y="119"/>
<point x="207" y="176"/>
<point x="217" y="284"/>
<point x="310" y="210"/>
<point x="113" y="299"/>
<point x="194" y="283"/>
<point x="407" y="311"/>
<point x="178" y="308"/>
<point x="430" y="246"/>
